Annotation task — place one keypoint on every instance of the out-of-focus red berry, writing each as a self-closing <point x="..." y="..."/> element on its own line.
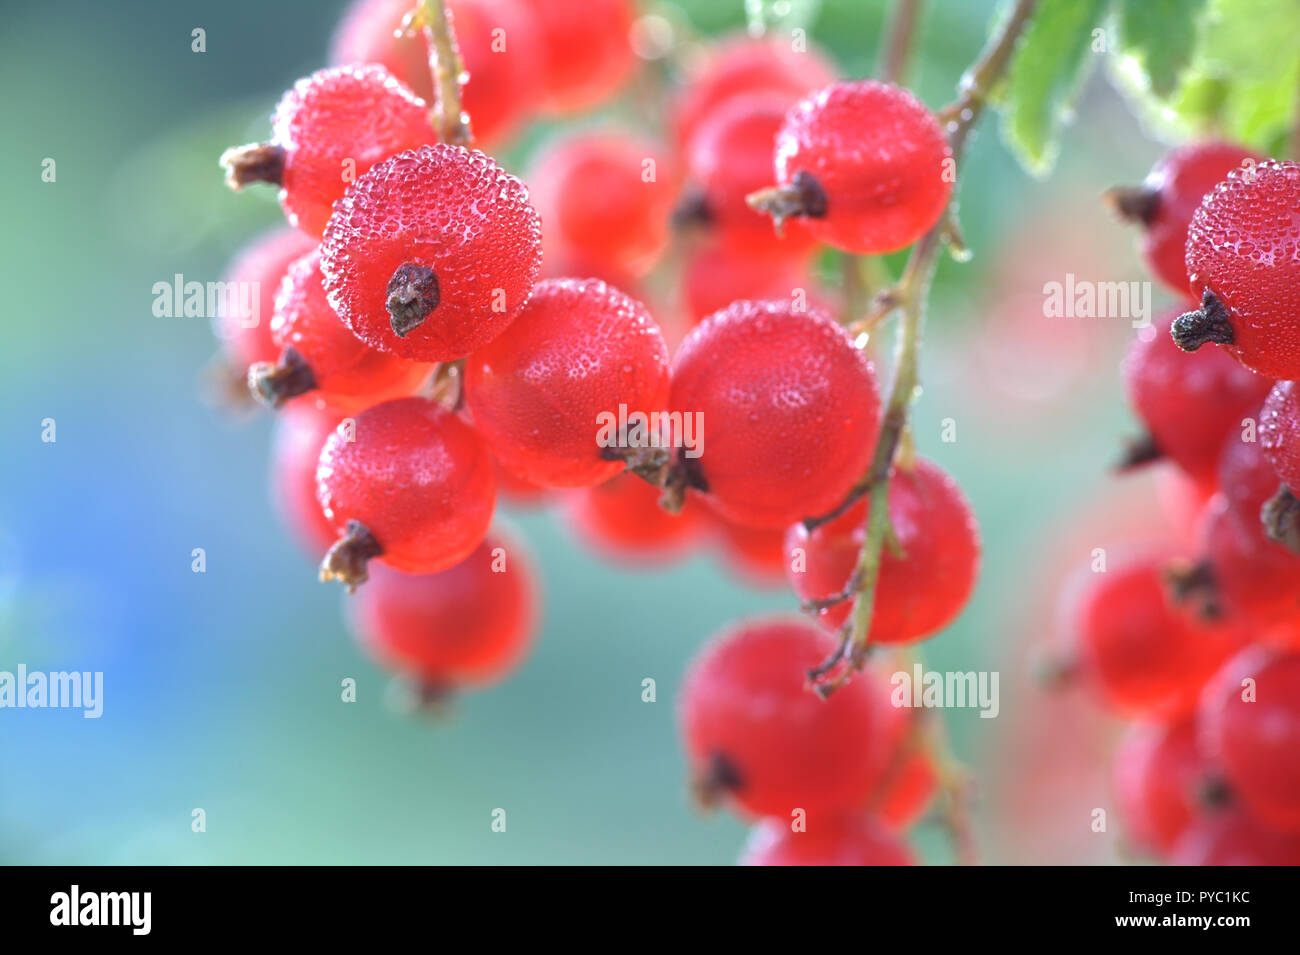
<point x="715" y="276"/>
<point x="622" y="517"/>
<point x="587" y="48"/>
<point x="841" y="839"/>
<point x="1233" y="837"/>
<point x="260" y="265"/>
<point x="1160" y="779"/>
<point x="300" y="433"/>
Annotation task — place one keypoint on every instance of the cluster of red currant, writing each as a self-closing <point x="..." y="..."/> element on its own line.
<point x="1203" y="653"/>
<point x="425" y="357"/>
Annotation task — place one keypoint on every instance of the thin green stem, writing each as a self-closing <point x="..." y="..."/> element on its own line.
<point x="896" y="51"/>
<point x="449" y="117"/>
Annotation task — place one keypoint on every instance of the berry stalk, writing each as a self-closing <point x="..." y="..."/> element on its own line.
<point x="896" y="52"/>
<point x="449" y="117"/>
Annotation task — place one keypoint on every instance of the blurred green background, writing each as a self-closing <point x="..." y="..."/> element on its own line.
<point x="222" y="689"/>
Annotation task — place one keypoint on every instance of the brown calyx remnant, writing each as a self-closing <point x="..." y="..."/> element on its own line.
<point x="412" y="295"/>
<point x="1193" y="583"/>
<point x="1133" y="203"/>
<point x="803" y="197"/>
<point x="717" y="778"/>
<point x="256" y="162"/>
<point x="1210" y="323"/>
<point x="274" y="383"/>
<point x="1281" y="517"/>
<point x="346" y="560"/>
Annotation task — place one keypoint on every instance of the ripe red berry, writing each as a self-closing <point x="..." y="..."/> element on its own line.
<point x="715" y="276"/>
<point x="1250" y="726"/>
<point x="543" y="396"/>
<point x="1246" y="477"/>
<point x="918" y="592"/>
<point x="756" y="735"/>
<point x="1165" y="203"/>
<point x="498" y="43"/>
<point x="730" y="157"/>
<point x="467" y="625"/>
<point x="864" y="165"/>
<point x="755" y="554"/>
<point x="1189" y="403"/>
<point x="1232" y="837"/>
<point x="1243" y="575"/>
<point x="587" y="49"/>
<point x="622" y="517"/>
<point x="1144" y="655"/>
<point x="1279" y="432"/>
<point x="300" y="433"/>
<point x="430" y="254"/>
<point x="907" y="791"/>
<point x="330" y="127"/>
<point x="319" y="354"/>
<point x="1243" y="262"/>
<point x="740" y="65"/>
<point x="413" y="486"/>
<point x="1161" y="782"/>
<point x="788" y="407"/>
<point x="846" y="838"/>
<point x="605" y="199"/>
<point x="520" y="491"/>
<point x="261" y="264"/>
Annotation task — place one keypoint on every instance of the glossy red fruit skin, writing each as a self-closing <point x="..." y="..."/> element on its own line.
<point x="1190" y="403"/>
<point x="587" y="49"/>
<point x="498" y="43"/>
<point x="842" y="839"/>
<point x="729" y="158"/>
<point x="715" y="276"/>
<point x="1180" y="181"/>
<point x="1246" y="477"/>
<point x="468" y="625"/>
<point x="300" y="433"/>
<point x="342" y="364"/>
<point x="1232" y="838"/>
<point x="1257" y="580"/>
<point x="879" y="157"/>
<point x="416" y="476"/>
<point x="1256" y="742"/>
<point x="261" y="264"/>
<point x="745" y="702"/>
<point x="592" y="193"/>
<point x="1279" y="432"/>
<point x="452" y="210"/>
<point x="1144" y="656"/>
<point x="357" y="114"/>
<point x="740" y="65"/>
<point x="1243" y="247"/>
<point x="578" y="350"/>
<point x="917" y="594"/>
<point x="781" y="439"/>
<point x="1159" y="779"/>
<point x="622" y="518"/>
<point x="907" y="792"/>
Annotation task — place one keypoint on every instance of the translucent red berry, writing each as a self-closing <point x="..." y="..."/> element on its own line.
<point x="788" y="408"/>
<point x="907" y="791"/>
<point x="1279" y="432"/>
<point x="1250" y="726"/>
<point x="587" y="48"/>
<point x="919" y="591"/>
<point x="332" y="126"/>
<point x="1243" y="262"/>
<point x="408" y="482"/>
<point x="716" y="275"/>
<point x="1165" y="203"/>
<point x="467" y="625"/>
<point x="756" y="735"/>
<point x="1243" y="574"/>
<point x="622" y="517"/>
<point x="318" y="353"/>
<point x="1233" y="837"/>
<point x="755" y="554"/>
<point x="1189" y="403"/>
<point x="581" y="360"/>
<point x="605" y="199"/>
<point x="430" y="254"/>
<point x="300" y="434"/>
<point x="1161" y="782"/>
<point x="498" y="43"/>
<point x="261" y="265"/>
<point x="864" y="166"/>
<point x="845" y="838"/>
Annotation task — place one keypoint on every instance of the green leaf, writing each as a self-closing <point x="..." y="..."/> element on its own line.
<point x="1048" y="70"/>
<point x="1160" y="35"/>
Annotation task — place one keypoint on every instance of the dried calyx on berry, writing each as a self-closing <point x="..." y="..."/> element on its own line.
<point x="412" y="297"/>
<point x="274" y="383"/>
<point x="1209" y="323"/>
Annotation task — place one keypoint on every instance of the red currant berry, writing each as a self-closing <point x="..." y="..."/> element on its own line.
<point x="606" y="200"/>
<point x="1246" y="477"/>
<point x="467" y="625"/>
<point x="907" y="792"/>
<point x="520" y="491"/>
<point x="1243" y="574"/>
<point x="1250" y="725"/>
<point x="1189" y="403"/>
<point x="864" y="165"/>
<point x="1165" y="203"/>
<point x="1279" y="432"/>
<point x="430" y="254"/>
<point x="1233" y="837"/>
<point x="580" y="356"/>
<point x="756" y="735"/>
<point x="498" y="44"/>
<point x="1161" y="782"/>
<point x="783" y="438"/>
<point x="261" y="265"/>
<point x="731" y="157"/>
<point x="336" y="121"/>
<point x="319" y="353"/>
<point x="841" y="839"/>
<point x="755" y="554"/>
<point x="622" y="517"/>
<point x="1142" y="653"/>
<point x="300" y="433"/>
<point x="741" y="64"/>
<point x="919" y="591"/>
<point x="715" y="276"/>
<point x="408" y="482"/>
<point x="587" y="48"/>
<point x="1243" y="262"/>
